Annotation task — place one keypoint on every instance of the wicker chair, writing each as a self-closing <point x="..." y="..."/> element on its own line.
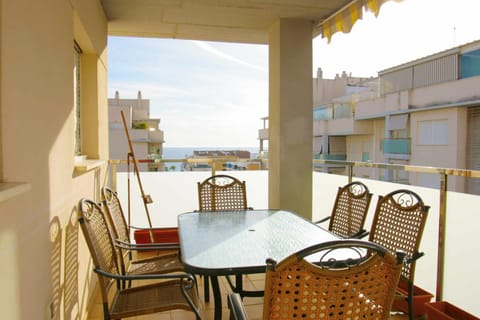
<point x="165" y="261"/>
<point x="175" y="291"/>
<point x="342" y="279"/>
<point x="349" y="211"/>
<point x="398" y="224"/>
<point x="224" y="193"/>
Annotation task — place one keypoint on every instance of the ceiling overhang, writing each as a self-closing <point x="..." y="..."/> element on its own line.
<point x="243" y="21"/>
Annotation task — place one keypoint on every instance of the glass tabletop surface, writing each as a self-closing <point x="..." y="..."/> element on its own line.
<point x="223" y="242"/>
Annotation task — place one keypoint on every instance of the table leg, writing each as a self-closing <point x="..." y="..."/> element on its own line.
<point x="217" y="297"/>
<point x="206" y="288"/>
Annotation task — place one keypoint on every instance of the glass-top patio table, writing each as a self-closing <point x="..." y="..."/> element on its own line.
<point x="239" y="242"/>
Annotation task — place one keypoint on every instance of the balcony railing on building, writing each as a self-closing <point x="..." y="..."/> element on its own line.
<point x="396" y="146"/>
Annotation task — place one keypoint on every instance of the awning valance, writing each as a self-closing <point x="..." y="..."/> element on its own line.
<point x="398" y="122"/>
<point x="344" y="19"/>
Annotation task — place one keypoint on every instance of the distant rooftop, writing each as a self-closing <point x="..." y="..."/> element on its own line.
<point x="242" y="154"/>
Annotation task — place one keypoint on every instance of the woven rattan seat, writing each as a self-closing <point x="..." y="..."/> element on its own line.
<point x="166" y="260"/>
<point x="345" y="279"/>
<point x="398" y="224"/>
<point x="175" y="291"/>
<point x="349" y="211"/>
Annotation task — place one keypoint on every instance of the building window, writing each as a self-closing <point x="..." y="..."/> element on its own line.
<point x="323" y="113"/>
<point x="433" y="132"/>
<point x="365" y="156"/>
<point x="77" y="55"/>
<point x="470" y="64"/>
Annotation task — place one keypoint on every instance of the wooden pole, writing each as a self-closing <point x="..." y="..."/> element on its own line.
<point x="146" y="198"/>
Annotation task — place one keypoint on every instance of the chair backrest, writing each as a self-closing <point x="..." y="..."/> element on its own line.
<point x="350" y="210"/>
<point x="222" y="193"/>
<point x="398" y="225"/>
<point x="115" y="213"/>
<point x="343" y="279"/>
<point x="117" y="224"/>
<point x="100" y="243"/>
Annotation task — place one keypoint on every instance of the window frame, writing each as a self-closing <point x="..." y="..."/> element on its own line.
<point x="433" y="132"/>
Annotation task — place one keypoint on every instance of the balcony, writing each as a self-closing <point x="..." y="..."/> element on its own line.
<point x="378" y="107"/>
<point x="139" y="135"/>
<point x="449" y="239"/>
<point x="343" y="126"/>
<point x="263" y="134"/>
<point x="145" y="135"/>
<point x="456" y="93"/>
<point x="392" y="148"/>
<point x="155" y="136"/>
<point x="338" y="157"/>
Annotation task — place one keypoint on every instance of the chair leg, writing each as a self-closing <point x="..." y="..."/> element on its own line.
<point x="106" y="315"/>
<point x="410" y="300"/>
<point x="239" y="284"/>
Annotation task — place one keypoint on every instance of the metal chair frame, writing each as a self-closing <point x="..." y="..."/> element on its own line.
<point x="174" y="291"/>
<point x="398" y="225"/>
<point x="165" y="260"/>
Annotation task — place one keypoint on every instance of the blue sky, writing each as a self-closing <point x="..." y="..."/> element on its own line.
<point x="206" y="94"/>
<point x="211" y="94"/>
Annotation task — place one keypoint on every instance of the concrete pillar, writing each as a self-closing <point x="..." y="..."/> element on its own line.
<point x="290" y="116"/>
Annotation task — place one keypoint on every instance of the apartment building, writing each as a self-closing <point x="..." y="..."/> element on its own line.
<point x="334" y="99"/>
<point x="425" y="112"/>
<point x="146" y="137"/>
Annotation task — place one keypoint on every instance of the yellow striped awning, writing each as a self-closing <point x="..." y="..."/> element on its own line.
<point x="344" y="19"/>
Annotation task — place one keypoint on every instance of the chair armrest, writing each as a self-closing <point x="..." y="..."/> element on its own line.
<point x="322" y="220"/>
<point x="146" y="246"/>
<point x="237" y="309"/>
<point x="414" y="257"/>
<point x="165" y="276"/>
<point x="360" y="234"/>
<point x="146" y="228"/>
<point x="162" y="256"/>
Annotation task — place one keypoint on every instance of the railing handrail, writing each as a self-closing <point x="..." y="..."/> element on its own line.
<point x="409" y="168"/>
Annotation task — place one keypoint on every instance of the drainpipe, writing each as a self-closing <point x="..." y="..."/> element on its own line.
<point x="388" y="172"/>
<point x="325" y="150"/>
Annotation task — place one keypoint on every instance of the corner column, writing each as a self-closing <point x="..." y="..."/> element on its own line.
<point x="290" y="116"/>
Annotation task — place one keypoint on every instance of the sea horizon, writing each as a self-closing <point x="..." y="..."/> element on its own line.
<point x="185" y="152"/>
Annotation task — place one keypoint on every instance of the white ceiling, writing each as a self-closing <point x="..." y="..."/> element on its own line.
<point x="246" y="21"/>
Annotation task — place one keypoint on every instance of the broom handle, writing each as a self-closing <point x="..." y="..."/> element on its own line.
<point x="146" y="198"/>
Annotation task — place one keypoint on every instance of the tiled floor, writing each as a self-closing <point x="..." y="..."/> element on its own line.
<point x="253" y="306"/>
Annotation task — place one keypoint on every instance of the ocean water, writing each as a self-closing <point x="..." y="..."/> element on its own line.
<point x="185" y="152"/>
